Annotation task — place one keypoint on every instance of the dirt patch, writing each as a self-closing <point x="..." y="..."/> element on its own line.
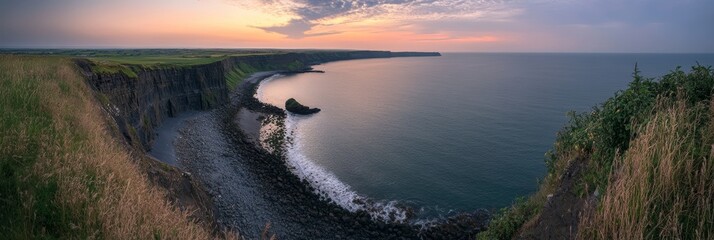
<point x="182" y="190"/>
<point x="561" y="213"/>
<point x="250" y="123"/>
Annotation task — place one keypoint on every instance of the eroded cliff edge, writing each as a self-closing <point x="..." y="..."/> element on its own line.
<point x="140" y="98"/>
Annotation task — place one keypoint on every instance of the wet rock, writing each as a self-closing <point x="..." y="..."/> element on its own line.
<point x="295" y="107"/>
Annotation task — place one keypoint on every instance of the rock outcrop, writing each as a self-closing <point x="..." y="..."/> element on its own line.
<point x="295" y="107"/>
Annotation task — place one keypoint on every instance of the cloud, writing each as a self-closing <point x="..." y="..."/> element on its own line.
<point x="309" y="14"/>
<point x="296" y="29"/>
<point x="441" y="38"/>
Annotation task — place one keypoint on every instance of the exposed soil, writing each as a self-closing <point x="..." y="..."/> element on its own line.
<point x="183" y="191"/>
<point x="561" y="214"/>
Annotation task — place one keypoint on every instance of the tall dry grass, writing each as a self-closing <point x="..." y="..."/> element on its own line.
<point x="662" y="187"/>
<point x="63" y="175"/>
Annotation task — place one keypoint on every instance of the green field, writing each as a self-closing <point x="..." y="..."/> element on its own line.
<point x="146" y="57"/>
<point x="130" y="61"/>
<point x="152" y="57"/>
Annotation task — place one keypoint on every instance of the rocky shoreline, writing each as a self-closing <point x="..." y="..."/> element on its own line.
<point x="251" y="186"/>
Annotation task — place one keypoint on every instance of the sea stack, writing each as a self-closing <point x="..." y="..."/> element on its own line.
<point x="295" y="107"/>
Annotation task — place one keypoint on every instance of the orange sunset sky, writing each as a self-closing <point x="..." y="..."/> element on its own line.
<point x="426" y="25"/>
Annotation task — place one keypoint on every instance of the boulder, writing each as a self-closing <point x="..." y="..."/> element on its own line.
<point x="295" y="107"/>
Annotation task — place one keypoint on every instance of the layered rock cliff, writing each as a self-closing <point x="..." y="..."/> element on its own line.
<point x="139" y="104"/>
<point x="140" y="98"/>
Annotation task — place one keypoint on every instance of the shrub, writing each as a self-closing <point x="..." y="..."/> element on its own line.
<point x="663" y="186"/>
<point x="606" y="132"/>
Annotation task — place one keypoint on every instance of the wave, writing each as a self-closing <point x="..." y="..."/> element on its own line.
<point x="330" y="188"/>
<point x="259" y="92"/>
<point x="325" y="184"/>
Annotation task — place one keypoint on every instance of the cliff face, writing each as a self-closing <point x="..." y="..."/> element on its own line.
<point x="140" y="103"/>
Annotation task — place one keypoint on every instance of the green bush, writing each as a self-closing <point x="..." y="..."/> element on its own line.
<point x="602" y="134"/>
<point x="607" y="130"/>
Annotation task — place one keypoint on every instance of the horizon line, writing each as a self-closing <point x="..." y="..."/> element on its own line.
<point x="331" y="49"/>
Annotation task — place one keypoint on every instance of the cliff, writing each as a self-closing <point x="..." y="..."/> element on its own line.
<point x="141" y="97"/>
<point x="140" y="103"/>
<point x="64" y="175"/>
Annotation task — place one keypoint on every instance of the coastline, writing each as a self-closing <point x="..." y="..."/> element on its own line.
<point x="251" y="186"/>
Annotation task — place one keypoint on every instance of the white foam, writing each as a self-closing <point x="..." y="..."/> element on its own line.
<point x="326" y="184"/>
<point x="329" y="187"/>
<point x="259" y="93"/>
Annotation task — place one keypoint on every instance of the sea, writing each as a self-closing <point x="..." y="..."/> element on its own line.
<point x="444" y="135"/>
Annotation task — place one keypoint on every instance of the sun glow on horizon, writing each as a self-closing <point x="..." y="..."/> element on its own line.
<point x="423" y="25"/>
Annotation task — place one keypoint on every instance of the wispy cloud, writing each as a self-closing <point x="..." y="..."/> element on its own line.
<point x="446" y="38"/>
<point x="308" y="14"/>
<point x="441" y="25"/>
<point x="296" y="29"/>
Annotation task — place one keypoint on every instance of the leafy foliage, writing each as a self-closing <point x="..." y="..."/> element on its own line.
<point x="508" y="220"/>
<point x="607" y="130"/>
<point x="604" y="133"/>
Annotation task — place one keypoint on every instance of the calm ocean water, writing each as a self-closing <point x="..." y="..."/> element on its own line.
<point x="446" y="134"/>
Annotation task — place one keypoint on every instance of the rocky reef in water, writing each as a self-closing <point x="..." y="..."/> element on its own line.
<point x="294" y="106"/>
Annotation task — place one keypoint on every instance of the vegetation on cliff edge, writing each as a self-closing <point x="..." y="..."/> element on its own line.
<point x="61" y="176"/>
<point x="647" y="152"/>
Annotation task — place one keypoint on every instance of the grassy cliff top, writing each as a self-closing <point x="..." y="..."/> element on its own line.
<point x="155" y="57"/>
<point x="127" y="61"/>
<point x="62" y="177"/>
<point x="146" y="57"/>
<point x="130" y="61"/>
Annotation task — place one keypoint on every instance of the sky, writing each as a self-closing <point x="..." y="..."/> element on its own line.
<point x="670" y="26"/>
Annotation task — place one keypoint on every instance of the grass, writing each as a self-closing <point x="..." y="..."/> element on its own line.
<point x="159" y="60"/>
<point x="60" y="175"/>
<point x="129" y="61"/>
<point x="168" y="60"/>
<point x="607" y="132"/>
<point x="149" y="57"/>
<point x="235" y="76"/>
<point x="106" y="67"/>
<point x="663" y="186"/>
<point x="130" y="64"/>
<point x="244" y="69"/>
